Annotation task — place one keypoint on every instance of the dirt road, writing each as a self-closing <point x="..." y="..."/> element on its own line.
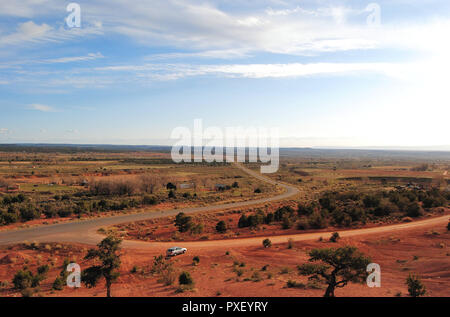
<point x="86" y="231"/>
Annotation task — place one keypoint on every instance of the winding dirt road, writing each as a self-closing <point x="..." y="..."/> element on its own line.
<point x="86" y="231"/>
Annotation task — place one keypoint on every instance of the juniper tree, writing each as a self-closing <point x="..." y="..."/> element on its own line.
<point x="336" y="267"/>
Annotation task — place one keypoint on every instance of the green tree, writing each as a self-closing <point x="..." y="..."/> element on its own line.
<point x="336" y="267"/>
<point x="415" y="286"/>
<point x="221" y="226"/>
<point x="22" y="279"/>
<point x="267" y="243"/>
<point x="185" y="279"/>
<point x="183" y="222"/>
<point x="106" y="253"/>
<point x="334" y="237"/>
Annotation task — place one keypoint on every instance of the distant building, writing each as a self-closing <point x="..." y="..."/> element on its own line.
<point x="186" y="185"/>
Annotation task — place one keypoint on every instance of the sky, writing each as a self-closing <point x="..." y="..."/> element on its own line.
<point x="325" y="73"/>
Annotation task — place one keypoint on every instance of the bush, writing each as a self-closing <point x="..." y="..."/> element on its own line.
<point x="334" y="237"/>
<point x="185" y="279"/>
<point x="168" y="276"/>
<point x="371" y="201"/>
<point x="302" y="225"/>
<point x="294" y="284"/>
<point x="171" y="186"/>
<point x="448" y="226"/>
<point x="257" y="191"/>
<point x="29" y="212"/>
<point x="221" y="227"/>
<point x="415" y="286"/>
<point x="149" y="200"/>
<point x="317" y="221"/>
<point x="243" y="222"/>
<point x="58" y="284"/>
<point x="196" y="260"/>
<point x="305" y="210"/>
<point x="267" y="243"/>
<point x="414" y="210"/>
<point x="328" y="201"/>
<point x="171" y="194"/>
<point x="183" y="222"/>
<point x="287" y="223"/>
<point x="196" y="228"/>
<point x="22" y="279"/>
<point x="280" y="213"/>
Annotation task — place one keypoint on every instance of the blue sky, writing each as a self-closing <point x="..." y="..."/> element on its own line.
<point x="324" y="72"/>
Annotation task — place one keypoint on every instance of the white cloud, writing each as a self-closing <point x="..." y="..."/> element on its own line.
<point x="27" y="32"/>
<point x="4" y="131"/>
<point x="88" y="57"/>
<point x="30" y="32"/>
<point x="40" y="107"/>
<point x="256" y="71"/>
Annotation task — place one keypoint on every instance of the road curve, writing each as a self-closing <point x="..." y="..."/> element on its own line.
<point x="86" y="231"/>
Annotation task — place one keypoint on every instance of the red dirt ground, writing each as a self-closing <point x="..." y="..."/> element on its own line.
<point x="423" y="250"/>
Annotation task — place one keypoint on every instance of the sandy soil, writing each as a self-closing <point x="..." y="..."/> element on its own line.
<point x="423" y="250"/>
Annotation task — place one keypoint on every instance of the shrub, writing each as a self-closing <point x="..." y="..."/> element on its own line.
<point x="149" y="200"/>
<point x="235" y="185"/>
<point x="294" y="284"/>
<point x="334" y="237"/>
<point x="448" y="226"/>
<point x="414" y="210"/>
<point x="317" y="221"/>
<point x="171" y="194"/>
<point x="27" y="292"/>
<point x="280" y="213"/>
<point x="22" y="279"/>
<point x="371" y="201"/>
<point x="168" y="276"/>
<point x="65" y="212"/>
<point x="287" y="223"/>
<point x="221" y="227"/>
<point x="268" y="218"/>
<point x="58" y="284"/>
<point x="415" y="286"/>
<point x="183" y="222"/>
<point x="196" y="228"/>
<point x="257" y="191"/>
<point x="243" y="222"/>
<point x="328" y="201"/>
<point x="196" y="260"/>
<point x="305" y="210"/>
<point x="267" y="243"/>
<point x="29" y="212"/>
<point x="302" y="225"/>
<point x="185" y="278"/>
<point x="171" y="186"/>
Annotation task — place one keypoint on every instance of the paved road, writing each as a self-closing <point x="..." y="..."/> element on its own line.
<point x="86" y="231"/>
